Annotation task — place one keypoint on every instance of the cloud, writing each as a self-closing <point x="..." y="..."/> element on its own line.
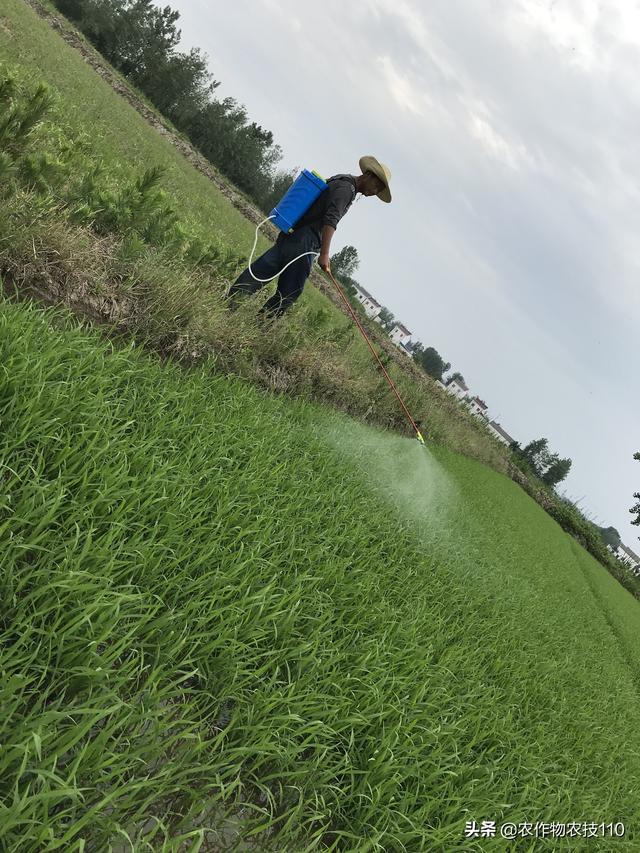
<point x="511" y="131"/>
<point x="570" y="28"/>
<point x="403" y="92"/>
<point x="433" y="52"/>
<point x="514" y="155"/>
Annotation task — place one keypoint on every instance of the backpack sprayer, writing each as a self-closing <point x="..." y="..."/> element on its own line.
<point x="302" y="193"/>
<point x="295" y="202"/>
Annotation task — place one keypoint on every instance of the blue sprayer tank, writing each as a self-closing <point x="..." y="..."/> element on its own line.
<point x="297" y="200"/>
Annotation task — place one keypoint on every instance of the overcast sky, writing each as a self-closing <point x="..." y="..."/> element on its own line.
<point x="511" y="129"/>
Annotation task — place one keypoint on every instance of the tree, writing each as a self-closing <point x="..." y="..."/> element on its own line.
<point x="432" y="363"/>
<point x="127" y="32"/>
<point x="636" y="507"/>
<point x="345" y="262"/>
<point x="416" y="351"/>
<point x="213" y="130"/>
<point x="280" y="184"/>
<point x="243" y="151"/>
<point x="522" y="461"/>
<point x="259" y="157"/>
<point x="458" y="377"/>
<point x="386" y="318"/>
<point x="179" y="85"/>
<point x="536" y="453"/>
<point x="556" y="471"/>
<point x="548" y="466"/>
<point x="610" y="536"/>
<point x="72" y="9"/>
<point x="350" y="285"/>
<point x="142" y="33"/>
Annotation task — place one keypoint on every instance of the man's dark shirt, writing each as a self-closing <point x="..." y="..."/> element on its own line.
<point x="331" y="205"/>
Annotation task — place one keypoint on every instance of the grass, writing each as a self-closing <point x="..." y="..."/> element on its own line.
<point x="124" y="139"/>
<point x="177" y="310"/>
<point x="237" y="620"/>
<point x="227" y="616"/>
<point x="319" y="355"/>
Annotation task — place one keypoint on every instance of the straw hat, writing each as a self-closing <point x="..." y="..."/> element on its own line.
<point x="370" y="164"/>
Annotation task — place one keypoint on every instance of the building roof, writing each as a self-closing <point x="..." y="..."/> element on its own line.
<point x="629" y="552"/>
<point x="480" y="402"/>
<point x="502" y="432"/>
<point x="402" y="328"/>
<point x="368" y="295"/>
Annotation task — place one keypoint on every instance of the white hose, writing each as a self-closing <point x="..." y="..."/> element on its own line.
<point x="263" y="280"/>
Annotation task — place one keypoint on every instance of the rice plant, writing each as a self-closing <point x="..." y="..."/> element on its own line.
<point x="228" y="618"/>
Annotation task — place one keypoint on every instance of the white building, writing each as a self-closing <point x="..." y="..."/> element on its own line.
<point x="479" y="408"/>
<point x="499" y="433"/>
<point x="629" y="557"/>
<point x="457" y="387"/>
<point x="371" y="307"/>
<point x="400" y="334"/>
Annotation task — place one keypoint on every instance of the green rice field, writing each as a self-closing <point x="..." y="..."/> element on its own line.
<point x="239" y="620"/>
<point x="231" y="621"/>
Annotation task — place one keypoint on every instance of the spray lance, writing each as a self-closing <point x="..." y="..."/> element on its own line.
<point x="296" y="201"/>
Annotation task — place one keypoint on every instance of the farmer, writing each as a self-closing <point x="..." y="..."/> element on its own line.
<point x="312" y="233"/>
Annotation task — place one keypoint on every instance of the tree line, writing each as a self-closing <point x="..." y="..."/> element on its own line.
<point x="546" y="465"/>
<point x="140" y="40"/>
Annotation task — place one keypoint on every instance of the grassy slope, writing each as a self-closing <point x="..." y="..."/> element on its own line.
<point x="509" y="666"/>
<point x="128" y="143"/>
<point x="406" y="639"/>
<point x="122" y="135"/>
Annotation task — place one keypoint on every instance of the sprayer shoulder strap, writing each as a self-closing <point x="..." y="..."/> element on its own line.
<point x="315" y="213"/>
<point x="347" y="178"/>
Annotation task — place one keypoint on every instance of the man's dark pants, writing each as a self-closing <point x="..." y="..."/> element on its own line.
<point x="291" y="282"/>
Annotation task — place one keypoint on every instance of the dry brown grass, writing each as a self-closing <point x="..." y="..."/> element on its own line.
<point x="179" y="313"/>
